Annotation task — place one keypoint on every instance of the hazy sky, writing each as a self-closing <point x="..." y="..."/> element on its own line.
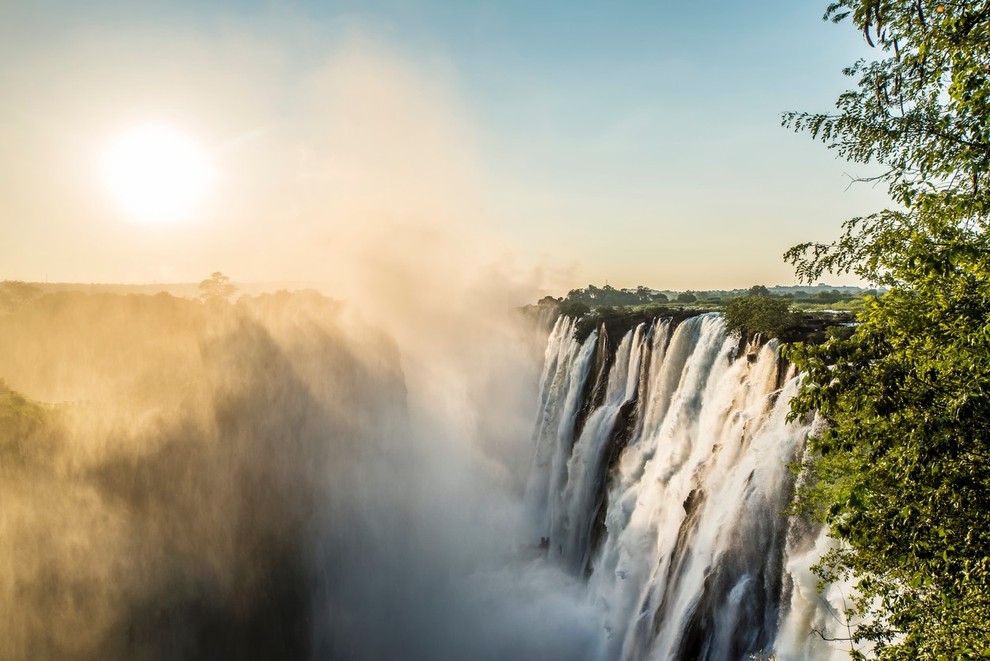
<point x="568" y="142"/>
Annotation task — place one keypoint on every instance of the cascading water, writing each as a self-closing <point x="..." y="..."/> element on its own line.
<point x="662" y="471"/>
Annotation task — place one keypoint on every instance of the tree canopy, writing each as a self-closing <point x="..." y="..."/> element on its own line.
<point x="900" y="472"/>
<point x="608" y="295"/>
<point x="216" y="288"/>
<point x="758" y="313"/>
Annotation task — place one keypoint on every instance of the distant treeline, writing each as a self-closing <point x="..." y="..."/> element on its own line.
<point x="578" y="301"/>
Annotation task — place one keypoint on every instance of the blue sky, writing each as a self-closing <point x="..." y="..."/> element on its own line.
<point x="634" y="142"/>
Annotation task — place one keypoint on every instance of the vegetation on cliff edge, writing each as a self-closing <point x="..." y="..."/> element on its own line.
<point x="901" y="472"/>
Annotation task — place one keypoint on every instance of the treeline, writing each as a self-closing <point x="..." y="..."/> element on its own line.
<point x="759" y="310"/>
<point x="593" y="296"/>
<point x="14" y="294"/>
<point x="590" y="297"/>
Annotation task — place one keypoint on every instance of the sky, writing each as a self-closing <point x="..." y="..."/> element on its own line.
<point x="558" y="143"/>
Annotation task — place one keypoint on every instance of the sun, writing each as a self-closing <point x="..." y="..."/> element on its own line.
<point x="156" y="173"/>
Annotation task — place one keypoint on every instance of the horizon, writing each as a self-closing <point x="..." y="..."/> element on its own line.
<point x="260" y="287"/>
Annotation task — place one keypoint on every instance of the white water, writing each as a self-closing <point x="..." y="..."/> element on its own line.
<point x="561" y="385"/>
<point x="692" y="557"/>
<point x="570" y="532"/>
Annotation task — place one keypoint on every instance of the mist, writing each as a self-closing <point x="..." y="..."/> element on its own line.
<point x="289" y="475"/>
<point x="259" y="480"/>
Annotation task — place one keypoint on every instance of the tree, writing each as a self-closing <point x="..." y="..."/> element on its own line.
<point x="686" y="297"/>
<point x="574" y="308"/>
<point x="647" y="295"/>
<point x="758" y="290"/>
<point x="901" y="472"/>
<point x="216" y="288"/>
<point x="609" y="295"/>
<point x="761" y="314"/>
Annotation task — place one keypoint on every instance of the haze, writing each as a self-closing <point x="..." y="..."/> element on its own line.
<point x="637" y="144"/>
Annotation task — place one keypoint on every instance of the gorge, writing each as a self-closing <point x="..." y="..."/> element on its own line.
<point x="268" y="479"/>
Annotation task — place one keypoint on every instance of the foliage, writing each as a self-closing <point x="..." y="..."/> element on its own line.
<point x="25" y="428"/>
<point x="573" y="308"/>
<point x="585" y="326"/>
<point x="608" y="295"/>
<point x="900" y="472"/>
<point x="594" y="297"/>
<point x="758" y="290"/>
<point x="923" y="110"/>
<point x="760" y="313"/>
<point x="18" y="415"/>
<point x="14" y="293"/>
<point x="216" y="288"/>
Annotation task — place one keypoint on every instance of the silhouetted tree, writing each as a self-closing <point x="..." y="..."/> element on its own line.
<point x="216" y="288"/>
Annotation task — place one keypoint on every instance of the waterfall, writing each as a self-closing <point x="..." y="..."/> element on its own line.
<point x="663" y="467"/>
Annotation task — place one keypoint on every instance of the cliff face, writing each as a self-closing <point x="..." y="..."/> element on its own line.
<point x="661" y="474"/>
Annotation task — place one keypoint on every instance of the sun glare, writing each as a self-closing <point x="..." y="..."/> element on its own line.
<point x="156" y="173"/>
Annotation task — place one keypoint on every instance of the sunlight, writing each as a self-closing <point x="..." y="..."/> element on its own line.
<point x="156" y="173"/>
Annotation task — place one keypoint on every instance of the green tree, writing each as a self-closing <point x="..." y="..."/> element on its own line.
<point x="761" y="314"/>
<point x="758" y="290"/>
<point x="686" y="297"/>
<point x="574" y="308"/>
<point x="216" y="288"/>
<point x="901" y="472"/>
